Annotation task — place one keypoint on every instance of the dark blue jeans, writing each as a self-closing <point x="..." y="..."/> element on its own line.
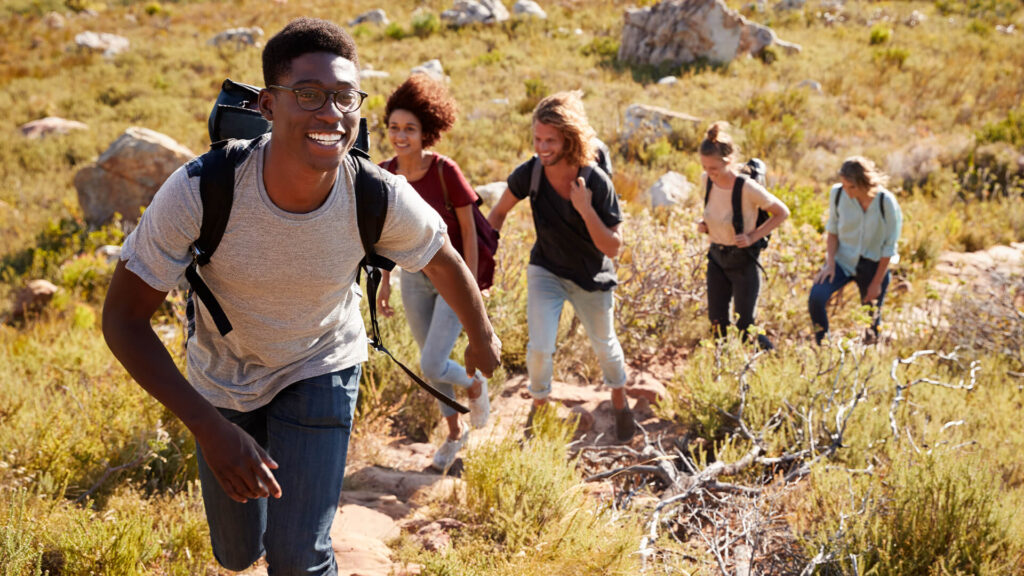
<point x="820" y="294"/>
<point x="305" y="429"/>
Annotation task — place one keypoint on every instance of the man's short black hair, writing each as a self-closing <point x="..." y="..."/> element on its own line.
<point x="303" y="36"/>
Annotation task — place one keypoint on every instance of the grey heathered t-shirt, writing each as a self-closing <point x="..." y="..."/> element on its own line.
<point x="286" y="281"/>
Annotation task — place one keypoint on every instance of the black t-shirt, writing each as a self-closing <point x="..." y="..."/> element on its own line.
<point x="564" y="246"/>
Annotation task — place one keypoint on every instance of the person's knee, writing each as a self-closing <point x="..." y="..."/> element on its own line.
<point x="817" y="299"/>
<point x="236" y="560"/>
<point x="433" y="368"/>
<point x="291" y="560"/>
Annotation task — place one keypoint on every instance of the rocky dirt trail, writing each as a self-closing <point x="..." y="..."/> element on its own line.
<point x="389" y="480"/>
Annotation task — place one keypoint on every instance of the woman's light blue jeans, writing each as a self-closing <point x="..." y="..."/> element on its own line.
<point x="435" y="327"/>
<point x="545" y="297"/>
<point x="305" y="429"/>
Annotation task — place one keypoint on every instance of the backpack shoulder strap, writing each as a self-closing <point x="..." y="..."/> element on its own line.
<point x="535" y="175"/>
<point x="216" y="192"/>
<point x="585" y="172"/>
<point x="371" y="196"/>
<point x="881" y="203"/>
<point x="441" y="160"/>
<point x="707" y="190"/>
<point x="737" y="203"/>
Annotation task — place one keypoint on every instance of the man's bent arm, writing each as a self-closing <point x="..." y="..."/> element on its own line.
<point x="449" y="274"/>
<point x="497" y="215"/>
<point x="608" y="239"/>
<point x="129" y="306"/>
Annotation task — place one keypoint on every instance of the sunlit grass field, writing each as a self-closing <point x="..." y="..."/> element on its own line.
<point x="97" y="478"/>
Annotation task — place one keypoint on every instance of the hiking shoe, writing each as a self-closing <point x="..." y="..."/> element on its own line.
<point x="625" y="424"/>
<point x="764" y="343"/>
<point x="446" y="454"/>
<point x="480" y="407"/>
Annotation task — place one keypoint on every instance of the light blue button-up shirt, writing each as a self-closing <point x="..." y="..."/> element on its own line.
<point x="864" y="233"/>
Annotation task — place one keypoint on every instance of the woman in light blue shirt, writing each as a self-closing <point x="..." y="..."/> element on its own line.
<point x="863" y="226"/>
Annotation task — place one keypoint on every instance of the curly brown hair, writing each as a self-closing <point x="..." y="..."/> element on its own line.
<point x="429" y="101"/>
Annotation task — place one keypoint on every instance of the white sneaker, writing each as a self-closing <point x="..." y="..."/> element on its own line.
<point x="445" y="455"/>
<point x="480" y="407"/>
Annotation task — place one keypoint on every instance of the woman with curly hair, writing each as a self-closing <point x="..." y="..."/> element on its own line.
<point x="863" y="226"/>
<point x="416" y="115"/>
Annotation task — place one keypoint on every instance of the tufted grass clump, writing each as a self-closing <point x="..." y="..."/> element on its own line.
<point x="932" y="513"/>
<point x="527" y="513"/>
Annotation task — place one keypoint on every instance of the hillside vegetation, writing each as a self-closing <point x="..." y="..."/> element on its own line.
<point x="900" y="458"/>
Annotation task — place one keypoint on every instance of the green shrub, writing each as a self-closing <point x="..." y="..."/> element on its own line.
<point x="989" y="10"/>
<point x="395" y="31"/>
<point x="489" y="58"/>
<point x="891" y="57"/>
<point x="880" y="34"/>
<point x="425" y="24"/>
<point x="936" y="514"/>
<point x="773" y="139"/>
<point x="806" y="207"/>
<point x="1009" y="130"/>
<point x="979" y="27"/>
<point x="606" y="48"/>
<point x="536" y="90"/>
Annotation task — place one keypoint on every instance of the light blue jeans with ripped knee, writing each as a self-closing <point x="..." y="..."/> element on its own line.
<point x="435" y="327"/>
<point x="545" y="297"/>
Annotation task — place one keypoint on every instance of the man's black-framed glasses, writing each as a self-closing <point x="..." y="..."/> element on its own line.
<point x="312" y="99"/>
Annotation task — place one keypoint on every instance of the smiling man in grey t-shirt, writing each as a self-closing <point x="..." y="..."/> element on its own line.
<point x="271" y="402"/>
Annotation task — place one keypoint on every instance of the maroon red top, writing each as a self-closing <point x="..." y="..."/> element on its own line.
<point x="460" y="193"/>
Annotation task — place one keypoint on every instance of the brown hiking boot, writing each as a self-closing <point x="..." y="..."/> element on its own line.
<point x="625" y="424"/>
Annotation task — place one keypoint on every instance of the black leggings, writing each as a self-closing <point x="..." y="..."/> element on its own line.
<point x="733" y="276"/>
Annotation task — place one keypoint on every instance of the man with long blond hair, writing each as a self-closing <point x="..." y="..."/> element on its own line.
<point x="577" y="217"/>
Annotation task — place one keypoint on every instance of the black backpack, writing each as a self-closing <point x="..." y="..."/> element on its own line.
<point x="756" y="170"/>
<point x="236" y="128"/>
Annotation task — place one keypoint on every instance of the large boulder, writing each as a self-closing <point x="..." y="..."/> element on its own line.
<point x="128" y="174"/>
<point x="672" y="188"/>
<point x="529" y="9"/>
<point x="109" y="44"/>
<point x="377" y="16"/>
<point x="32" y="298"/>
<point x="491" y="193"/>
<point x="653" y="122"/>
<point x="465" y="12"/>
<point x="50" y="125"/>
<point x="239" y="37"/>
<point x="684" y="31"/>
<point x="430" y="68"/>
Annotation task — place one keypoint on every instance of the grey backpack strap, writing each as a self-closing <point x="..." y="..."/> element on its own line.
<point x="585" y="172"/>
